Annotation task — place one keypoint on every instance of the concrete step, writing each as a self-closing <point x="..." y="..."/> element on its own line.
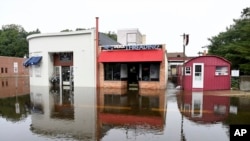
<point x="133" y="88"/>
<point x="136" y="85"/>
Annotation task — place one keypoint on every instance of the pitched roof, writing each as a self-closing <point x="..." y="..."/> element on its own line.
<point x="105" y="40"/>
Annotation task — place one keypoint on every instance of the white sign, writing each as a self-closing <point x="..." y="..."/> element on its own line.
<point x="235" y="73"/>
<point x="15" y="67"/>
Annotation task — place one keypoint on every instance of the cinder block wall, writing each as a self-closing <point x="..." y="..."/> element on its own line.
<point x="245" y="83"/>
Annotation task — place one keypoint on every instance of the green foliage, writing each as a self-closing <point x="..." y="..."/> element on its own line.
<point x="234" y="43"/>
<point x="13" y="40"/>
<point x="235" y="83"/>
<point x="66" y="30"/>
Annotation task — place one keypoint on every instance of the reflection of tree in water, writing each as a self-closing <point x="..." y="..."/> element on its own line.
<point x="8" y="111"/>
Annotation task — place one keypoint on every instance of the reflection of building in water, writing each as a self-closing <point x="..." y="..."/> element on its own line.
<point x="203" y="107"/>
<point x="143" y="110"/>
<point x="63" y="113"/>
<point x="12" y="86"/>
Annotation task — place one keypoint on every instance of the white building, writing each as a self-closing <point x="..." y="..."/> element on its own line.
<point x="64" y="55"/>
<point x="130" y="36"/>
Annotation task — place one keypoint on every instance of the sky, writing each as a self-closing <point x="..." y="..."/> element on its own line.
<point x="162" y="21"/>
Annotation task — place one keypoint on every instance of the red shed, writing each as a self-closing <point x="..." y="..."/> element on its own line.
<point x="207" y="72"/>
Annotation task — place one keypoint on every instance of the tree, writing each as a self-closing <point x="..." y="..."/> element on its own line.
<point x="234" y="43"/>
<point x="66" y="30"/>
<point x="13" y="40"/>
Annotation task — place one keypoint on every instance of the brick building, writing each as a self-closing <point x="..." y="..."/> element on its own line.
<point x="14" y="78"/>
<point x="139" y="66"/>
<point x="11" y="66"/>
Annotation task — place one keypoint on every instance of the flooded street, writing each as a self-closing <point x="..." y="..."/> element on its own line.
<point x="41" y="113"/>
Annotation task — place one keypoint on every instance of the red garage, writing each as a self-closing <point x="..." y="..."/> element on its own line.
<point x="207" y="73"/>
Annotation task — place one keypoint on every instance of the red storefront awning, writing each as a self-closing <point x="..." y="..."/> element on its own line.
<point x="131" y="56"/>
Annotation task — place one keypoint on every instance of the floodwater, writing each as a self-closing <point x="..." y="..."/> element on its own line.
<point x="34" y="113"/>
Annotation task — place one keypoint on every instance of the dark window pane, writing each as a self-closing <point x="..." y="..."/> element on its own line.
<point x="116" y="71"/>
<point x="197" y="68"/>
<point x="107" y="71"/>
<point x="154" y="71"/>
<point x="145" y="71"/>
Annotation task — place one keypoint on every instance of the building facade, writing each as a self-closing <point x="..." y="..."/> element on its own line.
<point x="62" y="56"/>
<point x="130" y="36"/>
<point x="12" y="66"/>
<point x="14" y="79"/>
<point x="73" y="59"/>
<point x="206" y="73"/>
<point x="121" y="66"/>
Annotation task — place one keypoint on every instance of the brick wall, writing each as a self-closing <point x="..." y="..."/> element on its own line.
<point x="7" y="67"/>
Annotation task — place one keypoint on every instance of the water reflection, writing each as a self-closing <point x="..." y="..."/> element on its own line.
<point x="133" y="113"/>
<point x="12" y="86"/>
<point x="117" y="114"/>
<point x="210" y="113"/>
<point x="63" y="113"/>
<point x="88" y="113"/>
<point x="204" y="108"/>
<point x="14" y="99"/>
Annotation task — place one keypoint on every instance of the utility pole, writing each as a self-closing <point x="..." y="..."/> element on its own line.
<point x="185" y="43"/>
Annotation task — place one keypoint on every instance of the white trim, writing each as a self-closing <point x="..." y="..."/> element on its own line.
<point x="198" y="81"/>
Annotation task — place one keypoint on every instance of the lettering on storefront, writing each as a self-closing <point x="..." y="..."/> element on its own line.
<point x="132" y="47"/>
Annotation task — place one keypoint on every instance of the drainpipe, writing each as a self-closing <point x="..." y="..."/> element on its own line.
<point x="97" y="50"/>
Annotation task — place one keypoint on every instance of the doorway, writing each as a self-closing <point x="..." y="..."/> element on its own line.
<point x="133" y="72"/>
<point x="198" y="75"/>
<point x="66" y="75"/>
<point x="63" y="75"/>
<point x="133" y="76"/>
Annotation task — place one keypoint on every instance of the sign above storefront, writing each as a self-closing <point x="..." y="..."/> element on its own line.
<point x="132" y="47"/>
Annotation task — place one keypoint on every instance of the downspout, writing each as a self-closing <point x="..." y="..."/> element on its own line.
<point x="97" y="51"/>
<point x="97" y="77"/>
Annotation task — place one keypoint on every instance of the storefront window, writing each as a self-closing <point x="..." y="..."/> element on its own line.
<point x="116" y="71"/>
<point x="112" y="71"/>
<point x="150" y="71"/>
<point x="119" y="71"/>
<point x="145" y="72"/>
<point x="154" y="71"/>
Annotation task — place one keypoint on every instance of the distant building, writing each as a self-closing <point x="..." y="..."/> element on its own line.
<point x="174" y="59"/>
<point x="130" y="36"/>
<point x="12" y="66"/>
<point x="14" y="78"/>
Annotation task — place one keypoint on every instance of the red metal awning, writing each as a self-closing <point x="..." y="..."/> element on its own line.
<point x="131" y="56"/>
